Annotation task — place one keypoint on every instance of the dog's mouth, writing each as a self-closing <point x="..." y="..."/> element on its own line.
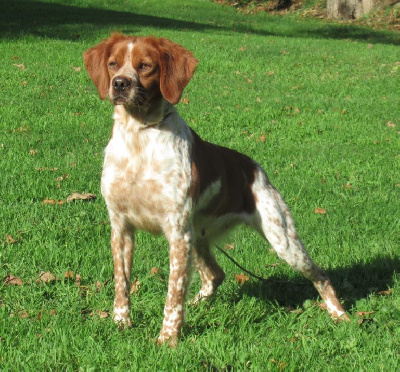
<point x="137" y="100"/>
<point x="119" y="99"/>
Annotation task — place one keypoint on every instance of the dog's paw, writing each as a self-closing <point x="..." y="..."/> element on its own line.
<point x="122" y="317"/>
<point x="168" y="340"/>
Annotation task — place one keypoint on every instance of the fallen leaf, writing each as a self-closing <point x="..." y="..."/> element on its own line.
<point x="241" y="278"/>
<point x="10" y="239"/>
<point x="273" y="265"/>
<point x="390" y="124"/>
<point x="51" y="201"/>
<point x="385" y="293"/>
<point x="46" y="277"/>
<point x="154" y="270"/>
<point x="262" y="138"/>
<point x="135" y="286"/>
<point x="39" y="314"/>
<point x="229" y="247"/>
<point x="102" y="314"/>
<point x="32" y="152"/>
<point x="78" y="280"/>
<point x="24" y="314"/>
<point x="12" y="280"/>
<point x="320" y="210"/>
<point x="363" y="313"/>
<point x="81" y="196"/>
<point x="68" y="275"/>
<point x="186" y="101"/>
<point x="21" y="66"/>
<point x="98" y="286"/>
<point x="21" y="129"/>
<point x="62" y="178"/>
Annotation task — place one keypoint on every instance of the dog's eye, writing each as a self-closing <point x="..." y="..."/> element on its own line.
<point x="113" y="65"/>
<point x="144" y="67"/>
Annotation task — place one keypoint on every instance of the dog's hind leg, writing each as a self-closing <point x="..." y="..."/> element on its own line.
<point x="274" y="221"/>
<point x="210" y="272"/>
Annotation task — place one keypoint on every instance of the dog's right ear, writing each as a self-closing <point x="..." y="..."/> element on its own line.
<point x="95" y="60"/>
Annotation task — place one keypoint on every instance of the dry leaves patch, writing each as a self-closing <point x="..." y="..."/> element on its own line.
<point x="12" y="280"/>
<point x="48" y="278"/>
<point x="72" y="197"/>
<point x="81" y="196"/>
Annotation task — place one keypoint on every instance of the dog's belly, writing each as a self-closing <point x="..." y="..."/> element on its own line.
<point x="213" y="228"/>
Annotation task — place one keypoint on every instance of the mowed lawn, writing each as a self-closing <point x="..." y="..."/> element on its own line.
<point x="317" y="104"/>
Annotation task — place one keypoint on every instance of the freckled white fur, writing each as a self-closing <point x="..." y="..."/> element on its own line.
<point x="332" y="308"/>
<point x="142" y="148"/>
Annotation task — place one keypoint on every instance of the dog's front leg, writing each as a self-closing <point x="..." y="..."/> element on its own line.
<point x="122" y="251"/>
<point x="180" y="256"/>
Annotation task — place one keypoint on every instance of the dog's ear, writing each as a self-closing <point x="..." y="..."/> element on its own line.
<point x="177" y="66"/>
<point x="95" y="60"/>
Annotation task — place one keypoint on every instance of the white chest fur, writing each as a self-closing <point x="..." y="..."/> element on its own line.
<point x="147" y="174"/>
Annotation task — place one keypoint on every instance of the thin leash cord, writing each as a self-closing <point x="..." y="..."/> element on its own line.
<point x="260" y="278"/>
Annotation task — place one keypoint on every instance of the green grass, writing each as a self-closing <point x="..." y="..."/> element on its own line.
<point x="316" y="103"/>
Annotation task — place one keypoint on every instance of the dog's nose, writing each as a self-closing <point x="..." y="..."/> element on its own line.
<point x="120" y="83"/>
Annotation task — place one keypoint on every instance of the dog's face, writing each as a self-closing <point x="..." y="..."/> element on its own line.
<point x="137" y="71"/>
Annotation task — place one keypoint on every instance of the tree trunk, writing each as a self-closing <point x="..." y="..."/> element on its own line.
<point x="348" y="9"/>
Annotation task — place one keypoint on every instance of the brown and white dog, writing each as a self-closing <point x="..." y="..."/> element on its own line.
<point x="159" y="176"/>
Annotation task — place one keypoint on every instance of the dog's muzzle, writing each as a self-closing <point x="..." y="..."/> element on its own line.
<point x="121" y="87"/>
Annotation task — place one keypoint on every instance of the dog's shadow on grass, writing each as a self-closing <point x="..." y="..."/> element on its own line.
<point x="351" y="283"/>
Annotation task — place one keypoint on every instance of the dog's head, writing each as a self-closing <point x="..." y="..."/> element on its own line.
<point x="136" y="71"/>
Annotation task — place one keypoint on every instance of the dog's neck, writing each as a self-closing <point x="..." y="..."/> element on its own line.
<point x="149" y="116"/>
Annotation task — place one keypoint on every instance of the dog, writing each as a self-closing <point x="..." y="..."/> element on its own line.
<point x="161" y="177"/>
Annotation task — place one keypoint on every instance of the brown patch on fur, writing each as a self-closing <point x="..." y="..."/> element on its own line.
<point x="235" y="170"/>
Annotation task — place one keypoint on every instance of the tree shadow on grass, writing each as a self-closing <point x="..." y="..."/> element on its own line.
<point x="351" y="283"/>
<point x="19" y="18"/>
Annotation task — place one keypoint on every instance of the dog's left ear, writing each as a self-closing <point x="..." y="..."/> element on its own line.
<point x="177" y="66"/>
